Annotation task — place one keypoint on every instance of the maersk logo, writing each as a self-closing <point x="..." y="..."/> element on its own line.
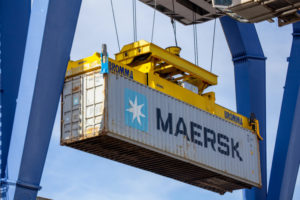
<point x="136" y="110"/>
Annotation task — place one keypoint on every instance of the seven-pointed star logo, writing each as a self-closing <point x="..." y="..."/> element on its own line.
<point x="136" y="110"/>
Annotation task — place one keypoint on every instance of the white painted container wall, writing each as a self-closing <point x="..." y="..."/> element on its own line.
<point x="83" y="101"/>
<point x="150" y="119"/>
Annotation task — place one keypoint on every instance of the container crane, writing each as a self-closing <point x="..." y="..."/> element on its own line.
<point x="48" y="50"/>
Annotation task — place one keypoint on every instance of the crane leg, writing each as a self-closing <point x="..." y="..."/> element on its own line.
<point x="250" y="85"/>
<point x="51" y="31"/>
<point x="286" y="157"/>
<point x="14" y="20"/>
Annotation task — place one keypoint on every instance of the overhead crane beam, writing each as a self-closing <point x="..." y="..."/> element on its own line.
<point x="183" y="10"/>
<point x="14" y="19"/>
<point x="250" y="85"/>
<point x="48" y="48"/>
<point x="286" y="154"/>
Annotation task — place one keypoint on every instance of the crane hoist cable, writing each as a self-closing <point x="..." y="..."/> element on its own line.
<point x="173" y="22"/>
<point x="134" y="20"/>
<point x="195" y="38"/>
<point x="213" y="46"/>
<point x="153" y="23"/>
<point x="113" y="12"/>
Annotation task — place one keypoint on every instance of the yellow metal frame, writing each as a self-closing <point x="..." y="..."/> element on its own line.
<point x="151" y="65"/>
<point x="128" y="54"/>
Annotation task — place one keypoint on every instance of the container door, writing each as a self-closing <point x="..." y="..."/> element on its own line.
<point x="94" y="101"/>
<point x="72" y="118"/>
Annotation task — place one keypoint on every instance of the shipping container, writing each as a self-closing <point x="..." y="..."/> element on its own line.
<point x="120" y="119"/>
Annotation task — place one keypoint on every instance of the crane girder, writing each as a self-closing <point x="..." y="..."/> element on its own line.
<point x="251" y="11"/>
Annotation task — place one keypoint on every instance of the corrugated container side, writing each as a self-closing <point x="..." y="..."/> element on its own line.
<point x="241" y="163"/>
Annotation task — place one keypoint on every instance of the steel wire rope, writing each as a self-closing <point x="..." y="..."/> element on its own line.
<point x="153" y="23"/>
<point x="173" y="22"/>
<point x="116" y="30"/>
<point x="213" y="46"/>
<point x="195" y="38"/>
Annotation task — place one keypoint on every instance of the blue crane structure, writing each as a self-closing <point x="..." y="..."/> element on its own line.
<point x="250" y="84"/>
<point x="30" y="43"/>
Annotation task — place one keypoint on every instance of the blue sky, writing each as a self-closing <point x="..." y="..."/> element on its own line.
<point x="71" y="174"/>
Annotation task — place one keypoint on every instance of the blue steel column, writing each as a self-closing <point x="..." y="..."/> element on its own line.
<point x="293" y="158"/>
<point x="14" y="19"/>
<point x="58" y="36"/>
<point x="250" y="85"/>
<point x="286" y="157"/>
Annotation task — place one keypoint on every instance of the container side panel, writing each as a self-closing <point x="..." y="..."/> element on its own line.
<point x="153" y="120"/>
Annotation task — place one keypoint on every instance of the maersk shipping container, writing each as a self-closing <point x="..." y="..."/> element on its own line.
<point x="120" y="119"/>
